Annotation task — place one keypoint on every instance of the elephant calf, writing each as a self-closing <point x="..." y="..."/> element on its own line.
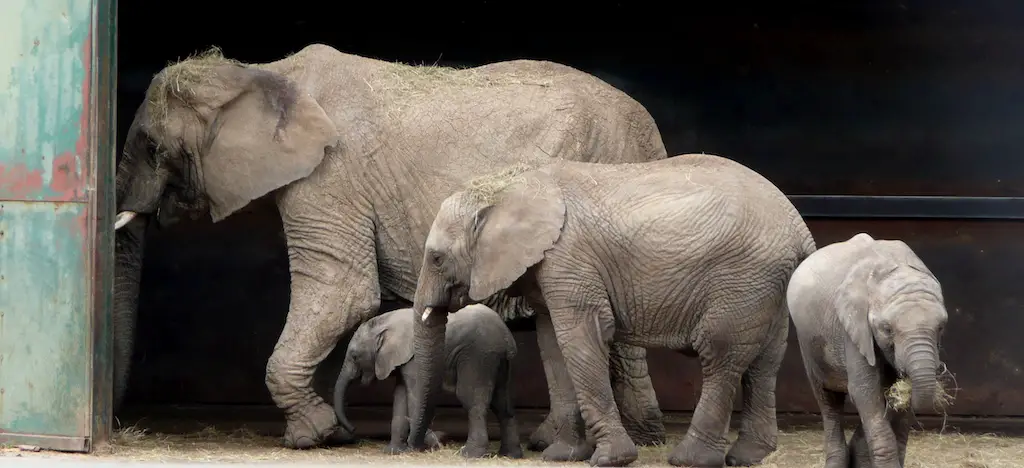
<point x="867" y="312"/>
<point x="692" y="253"/>
<point x="479" y="349"/>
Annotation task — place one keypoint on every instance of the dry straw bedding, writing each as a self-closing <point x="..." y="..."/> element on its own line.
<point x="797" y="449"/>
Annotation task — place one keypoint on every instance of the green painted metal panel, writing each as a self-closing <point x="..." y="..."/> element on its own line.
<point x="44" y="333"/>
<point x="56" y="245"/>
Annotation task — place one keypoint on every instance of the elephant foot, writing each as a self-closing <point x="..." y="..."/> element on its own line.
<point x="543" y="436"/>
<point x="473" y="451"/>
<point x="643" y="421"/>
<point x="563" y="452"/>
<point x="619" y="452"/>
<point x="396" y="449"/>
<point x="435" y="439"/>
<point x="513" y="451"/>
<point x="694" y="454"/>
<point x="747" y="452"/>
<point x="313" y="426"/>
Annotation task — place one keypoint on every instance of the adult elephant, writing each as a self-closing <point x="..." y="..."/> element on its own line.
<point x="358" y="155"/>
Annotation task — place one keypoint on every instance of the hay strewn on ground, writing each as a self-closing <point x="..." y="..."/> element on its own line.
<point x="798" y="449"/>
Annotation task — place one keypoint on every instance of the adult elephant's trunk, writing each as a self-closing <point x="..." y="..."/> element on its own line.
<point x="428" y="348"/>
<point x="348" y="373"/>
<point x="921" y="365"/>
<point x="128" y="246"/>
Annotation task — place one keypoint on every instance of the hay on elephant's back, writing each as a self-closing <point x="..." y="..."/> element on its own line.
<point x="401" y="82"/>
<point x="178" y="79"/>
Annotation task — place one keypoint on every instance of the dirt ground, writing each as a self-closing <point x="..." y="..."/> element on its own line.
<point x="797" y="449"/>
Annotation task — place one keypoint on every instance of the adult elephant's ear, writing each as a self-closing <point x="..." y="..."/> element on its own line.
<point x="513" y="231"/>
<point x="261" y="131"/>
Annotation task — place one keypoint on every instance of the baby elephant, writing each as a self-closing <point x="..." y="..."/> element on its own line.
<point x="478" y="368"/>
<point x="867" y="313"/>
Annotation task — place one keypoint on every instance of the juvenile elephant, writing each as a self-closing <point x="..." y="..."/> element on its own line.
<point x="478" y="349"/>
<point x="358" y="153"/>
<point x="692" y="253"/>
<point x="867" y="312"/>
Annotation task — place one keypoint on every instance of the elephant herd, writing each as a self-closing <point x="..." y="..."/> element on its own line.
<point x="523" y="189"/>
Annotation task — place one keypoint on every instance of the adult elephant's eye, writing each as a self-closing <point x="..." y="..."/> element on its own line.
<point x="437" y="259"/>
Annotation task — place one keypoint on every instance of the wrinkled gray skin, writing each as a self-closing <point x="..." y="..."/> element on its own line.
<point x="866" y="312"/>
<point x="358" y="155"/>
<point x="692" y="253"/>
<point x="478" y="355"/>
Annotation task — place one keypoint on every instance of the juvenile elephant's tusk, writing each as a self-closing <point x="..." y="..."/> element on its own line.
<point x="123" y="218"/>
<point x="426" y="313"/>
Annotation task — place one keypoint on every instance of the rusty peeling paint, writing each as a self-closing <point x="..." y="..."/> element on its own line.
<point x="48" y="219"/>
<point x="46" y="67"/>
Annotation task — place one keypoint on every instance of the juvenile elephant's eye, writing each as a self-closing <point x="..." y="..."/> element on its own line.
<point x="437" y="259"/>
<point x="885" y="329"/>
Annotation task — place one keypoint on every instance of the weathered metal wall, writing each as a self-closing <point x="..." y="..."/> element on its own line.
<point x="870" y="98"/>
<point x="54" y="164"/>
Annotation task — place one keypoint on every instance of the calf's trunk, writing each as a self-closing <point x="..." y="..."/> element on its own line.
<point x="922" y="361"/>
<point x="345" y="377"/>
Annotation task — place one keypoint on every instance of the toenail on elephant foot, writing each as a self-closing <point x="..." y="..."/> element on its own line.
<point x="693" y="454"/>
<point x="473" y="452"/>
<point x="619" y="452"/>
<point x="563" y="452"/>
<point x="542" y="437"/>
<point x="747" y="453"/>
<point x="311" y="428"/>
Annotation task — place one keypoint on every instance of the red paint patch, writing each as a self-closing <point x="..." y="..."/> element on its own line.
<point x="65" y="178"/>
<point x="17" y="182"/>
<point x="70" y="171"/>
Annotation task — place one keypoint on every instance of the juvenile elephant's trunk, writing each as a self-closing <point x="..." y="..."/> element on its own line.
<point x="345" y="377"/>
<point x="428" y="346"/>
<point x="128" y="248"/>
<point x="922" y="359"/>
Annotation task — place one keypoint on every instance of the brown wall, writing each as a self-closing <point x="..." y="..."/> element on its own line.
<point x="882" y="98"/>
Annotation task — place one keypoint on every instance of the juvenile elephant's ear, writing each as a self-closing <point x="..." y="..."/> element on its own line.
<point x="394" y="346"/>
<point x="514" y="233"/>
<point x="262" y="133"/>
<point x="853" y="303"/>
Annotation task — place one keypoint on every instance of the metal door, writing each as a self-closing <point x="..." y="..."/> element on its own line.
<point x="57" y="60"/>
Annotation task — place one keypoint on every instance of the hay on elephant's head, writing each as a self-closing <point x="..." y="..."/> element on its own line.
<point x="180" y="79"/>
<point x="486" y="188"/>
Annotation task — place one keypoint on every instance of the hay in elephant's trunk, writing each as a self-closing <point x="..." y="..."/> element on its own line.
<point x="898" y="395"/>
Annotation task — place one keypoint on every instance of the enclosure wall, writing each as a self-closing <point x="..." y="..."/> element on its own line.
<point x="848" y="106"/>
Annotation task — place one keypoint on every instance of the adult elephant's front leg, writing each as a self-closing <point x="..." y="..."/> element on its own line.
<point x="634" y="394"/>
<point x="562" y="433"/>
<point x="334" y="287"/>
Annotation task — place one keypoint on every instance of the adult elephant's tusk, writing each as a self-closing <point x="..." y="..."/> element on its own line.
<point x="426" y="313"/>
<point x="123" y="218"/>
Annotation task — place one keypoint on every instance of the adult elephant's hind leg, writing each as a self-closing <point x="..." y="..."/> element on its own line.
<point x="634" y="394"/>
<point x="759" y="431"/>
<point x="334" y="287"/>
<point x="722" y="364"/>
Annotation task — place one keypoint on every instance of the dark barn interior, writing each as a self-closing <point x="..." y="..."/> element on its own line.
<point x="852" y="106"/>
